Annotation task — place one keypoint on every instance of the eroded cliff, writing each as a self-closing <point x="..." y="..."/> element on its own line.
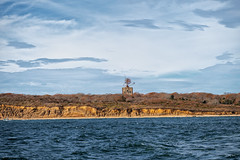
<point x="19" y="106"/>
<point x="23" y="112"/>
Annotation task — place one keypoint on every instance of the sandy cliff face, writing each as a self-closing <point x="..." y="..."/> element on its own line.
<point x="46" y="112"/>
<point x="21" y="112"/>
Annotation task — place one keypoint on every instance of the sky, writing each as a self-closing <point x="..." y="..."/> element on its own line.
<point x="91" y="46"/>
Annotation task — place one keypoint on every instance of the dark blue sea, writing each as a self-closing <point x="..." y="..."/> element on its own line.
<point x="139" y="138"/>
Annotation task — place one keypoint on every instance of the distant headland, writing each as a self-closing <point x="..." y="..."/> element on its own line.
<point x="60" y="106"/>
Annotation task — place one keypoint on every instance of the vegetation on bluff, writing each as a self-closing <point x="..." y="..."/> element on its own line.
<point x="18" y="106"/>
<point x="191" y="101"/>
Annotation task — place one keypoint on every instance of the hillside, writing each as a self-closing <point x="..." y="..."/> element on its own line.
<point x="18" y="106"/>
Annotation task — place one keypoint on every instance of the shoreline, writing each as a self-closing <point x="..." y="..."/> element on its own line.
<point x="126" y="117"/>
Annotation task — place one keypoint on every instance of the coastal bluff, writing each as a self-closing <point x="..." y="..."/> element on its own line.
<point x="21" y="112"/>
<point x="15" y="106"/>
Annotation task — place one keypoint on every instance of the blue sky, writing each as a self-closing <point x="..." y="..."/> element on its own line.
<point x="90" y="46"/>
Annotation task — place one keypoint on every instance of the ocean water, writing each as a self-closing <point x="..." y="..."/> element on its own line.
<point x="139" y="138"/>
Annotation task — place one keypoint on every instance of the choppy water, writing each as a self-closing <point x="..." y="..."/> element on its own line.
<point x="143" y="138"/>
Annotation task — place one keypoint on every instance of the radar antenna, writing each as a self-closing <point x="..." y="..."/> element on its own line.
<point x="128" y="82"/>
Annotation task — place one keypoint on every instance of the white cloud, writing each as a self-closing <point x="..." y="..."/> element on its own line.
<point x="152" y="50"/>
<point x="12" y="68"/>
<point x="129" y="51"/>
<point x="135" y="52"/>
<point x="174" y="79"/>
<point x="31" y="84"/>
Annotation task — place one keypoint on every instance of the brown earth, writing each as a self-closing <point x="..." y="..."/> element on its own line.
<point x="21" y="112"/>
<point x="18" y="106"/>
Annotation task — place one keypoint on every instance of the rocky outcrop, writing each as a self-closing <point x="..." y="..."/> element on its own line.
<point x="23" y="112"/>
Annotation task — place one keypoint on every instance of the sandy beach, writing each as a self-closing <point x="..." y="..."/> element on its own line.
<point x="112" y="117"/>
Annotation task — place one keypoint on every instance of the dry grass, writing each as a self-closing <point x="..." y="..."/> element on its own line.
<point x="191" y="101"/>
